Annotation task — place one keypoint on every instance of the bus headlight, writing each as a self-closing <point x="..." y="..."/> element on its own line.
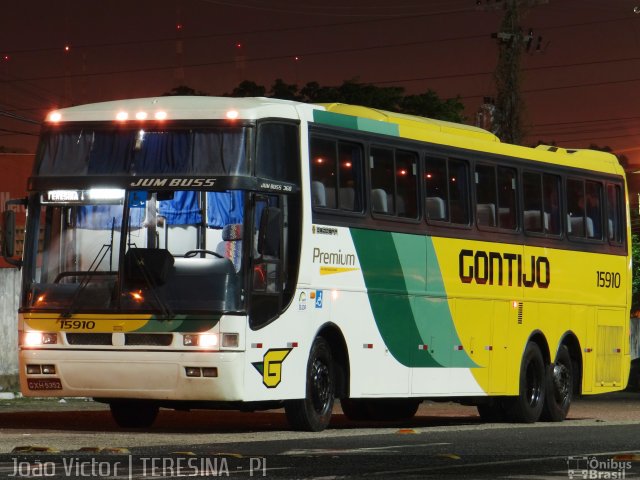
<point x="34" y="339"/>
<point x="207" y="340"/>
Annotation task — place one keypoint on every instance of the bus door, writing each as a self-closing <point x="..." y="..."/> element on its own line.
<point x="267" y="248"/>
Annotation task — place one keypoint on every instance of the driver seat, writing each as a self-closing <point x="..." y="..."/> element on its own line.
<point x="231" y="244"/>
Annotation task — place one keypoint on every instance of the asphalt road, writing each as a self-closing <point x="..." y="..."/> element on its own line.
<point x="601" y="439"/>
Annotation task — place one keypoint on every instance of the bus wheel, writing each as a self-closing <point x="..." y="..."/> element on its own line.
<point x="559" y="388"/>
<point x="355" y="409"/>
<point x="527" y="406"/>
<point x="133" y="414"/>
<point x="313" y="412"/>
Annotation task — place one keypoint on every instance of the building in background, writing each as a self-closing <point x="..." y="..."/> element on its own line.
<point x="16" y="169"/>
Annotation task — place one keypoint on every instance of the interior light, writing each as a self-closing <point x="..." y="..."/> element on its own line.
<point x="347" y="164"/>
<point x="161" y="115"/>
<point x="122" y="116"/>
<point x="137" y="296"/>
<point x="141" y="115"/>
<point x="55" y="117"/>
<point x="319" y="160"/>
<point x="232" y="114"/>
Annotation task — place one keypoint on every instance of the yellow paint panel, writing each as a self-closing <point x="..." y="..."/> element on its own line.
<point x="86" y="323"/>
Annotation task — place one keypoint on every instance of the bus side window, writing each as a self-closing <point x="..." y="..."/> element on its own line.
<point x="551" y="203"/>
<point x="532" y="196"/>
<point x="437" y="193"/>
<point x="614" y="213"/>
<point x="337" y="177"/>
<point x="486" y="200"/>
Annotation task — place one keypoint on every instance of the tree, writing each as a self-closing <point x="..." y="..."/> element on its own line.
<point x="248" y="89"/>
<point x="353" y="92"/>
<point x="183" y="90"/>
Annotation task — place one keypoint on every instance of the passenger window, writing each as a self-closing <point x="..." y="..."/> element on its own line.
<point x="394" y="182"/>
<point x="584" y="207"/>
<point x="447" y="190"/>
<point x="336" y="174"/>
<point x="541" y="194"/>
<point x="615" y="215"/>
<point x="496" y="197"/>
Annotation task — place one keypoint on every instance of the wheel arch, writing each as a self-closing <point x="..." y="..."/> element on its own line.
<point x="539" y="339"/>
<point x="339" y="352"/>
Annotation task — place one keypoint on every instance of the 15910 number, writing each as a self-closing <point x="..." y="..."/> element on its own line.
<point x="77" y="324"/>
<point x="607" y="279"/>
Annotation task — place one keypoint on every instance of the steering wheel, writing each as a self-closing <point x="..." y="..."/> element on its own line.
<point x="193" y="253"/>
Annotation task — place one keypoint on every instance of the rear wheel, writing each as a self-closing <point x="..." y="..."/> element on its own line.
<point x="559" y="387"/>
<point x="313" y="412"/>
<point x="131" y="414"/>
<point x="527" y="406"/>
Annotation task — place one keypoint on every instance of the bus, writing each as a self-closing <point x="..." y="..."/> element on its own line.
<point x="254" y="253"/>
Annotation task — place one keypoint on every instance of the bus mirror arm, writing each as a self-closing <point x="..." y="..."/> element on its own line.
<point x="9" y="232"/>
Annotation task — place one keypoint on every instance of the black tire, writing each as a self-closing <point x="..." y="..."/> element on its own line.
<point x="493" y="411"/>
<point x="527" y="406"/>
<point x="392" y="409"/>
<point x="133" y="414"/>
<point x="313" y="412"/>
<point x="355" y="409"/>
<point x="559" y="387"/>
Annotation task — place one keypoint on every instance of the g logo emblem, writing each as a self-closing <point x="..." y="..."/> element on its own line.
<point x="271" y="366"/>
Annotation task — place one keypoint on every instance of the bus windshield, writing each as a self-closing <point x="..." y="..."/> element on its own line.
<point x="138" y="251"/>
<point x="75" y="151"/>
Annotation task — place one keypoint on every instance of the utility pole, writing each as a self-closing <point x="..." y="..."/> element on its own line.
<point x="512" y="43"/>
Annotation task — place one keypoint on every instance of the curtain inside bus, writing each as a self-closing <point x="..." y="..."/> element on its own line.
<point x="221" y="151"/>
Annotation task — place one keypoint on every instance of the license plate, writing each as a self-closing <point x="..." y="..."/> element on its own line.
<point x="44" y="384"/>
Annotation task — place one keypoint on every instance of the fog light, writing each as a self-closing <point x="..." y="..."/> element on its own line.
<point x="33" y="370"/>
<point x="193" y="371"/>
<point x="210" y="372"/>
<point x="230" y="340"/>
<point x="49" y="369"/>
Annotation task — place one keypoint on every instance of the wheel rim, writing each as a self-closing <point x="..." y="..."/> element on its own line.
<point x="534" y="384"/>
<point x="561" y="382"/>
<point x="320" y="386"/>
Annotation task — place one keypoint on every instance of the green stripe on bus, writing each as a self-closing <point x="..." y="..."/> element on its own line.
<point x="181" y="323"/>
<point x="394" y="267"/>
<point x="355" y="123"/>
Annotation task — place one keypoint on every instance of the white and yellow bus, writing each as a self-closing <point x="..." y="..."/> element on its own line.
<point x="250" y="253"/>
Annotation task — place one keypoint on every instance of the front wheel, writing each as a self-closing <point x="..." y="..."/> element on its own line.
<point x="131" y="414"/>
<point x="313" y="412"/>
<point x="559" y="387"/>
<point x="527" y="406"/>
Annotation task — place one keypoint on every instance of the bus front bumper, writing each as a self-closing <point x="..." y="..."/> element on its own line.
<point x="196" y="376"/>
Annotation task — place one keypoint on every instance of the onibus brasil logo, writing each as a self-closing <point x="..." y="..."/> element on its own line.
<point x="271" y="366"/>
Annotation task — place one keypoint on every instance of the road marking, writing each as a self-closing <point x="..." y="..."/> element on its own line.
<point x="334" y="451"/>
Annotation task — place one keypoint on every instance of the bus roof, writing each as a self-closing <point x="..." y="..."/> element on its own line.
<point x="337" y="114"/>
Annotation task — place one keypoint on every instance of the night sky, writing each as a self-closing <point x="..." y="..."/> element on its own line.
<point x="583" y="86"/>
